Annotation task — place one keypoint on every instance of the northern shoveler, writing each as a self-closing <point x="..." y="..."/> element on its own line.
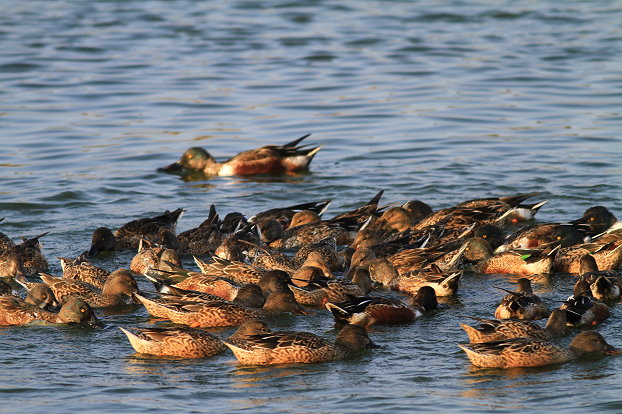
<point x="564" y="234"/>
<point x="518" y="262"/>
<point x="176" y="341"/>
<point x="285" y="215"/>
<point x="24" y="259"/>
<point x="205" y="238"/>
<point x="530" y="352"/>
<point x="38" y="294"/>
<point x="298" y="347"/>
<point x="370" y="310"/>
<point x="83" y="270"/>
<point x="159" y="230"/>
<point x="522" y="304"/>
<point x="212" y="314"/>
<point x="154" y="256"/>
<point x="118" y="289"/>
<point x="597" y="219"/>
<point x="196" y="281"/>
<point x="582" y="310"/>
<point x="498" y="330"/>
<point x="608" y="256"/>
<point x="270" y="159"/>
<point x="74" y="310"/>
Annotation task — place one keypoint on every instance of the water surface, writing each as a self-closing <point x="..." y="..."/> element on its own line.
<point x="440" y="103"/>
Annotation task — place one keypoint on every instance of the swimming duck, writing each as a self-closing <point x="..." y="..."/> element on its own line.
<point x="118" y="289"/>
<point x="284" y="215"/>
<point x="212" y="314"/>
<point x="518" y="262"/>
<point x="370" y="310"/>
<point x="564" y="234"/>
<point x="498" y="330"/>
<point x="74" y="310"/>
<point x="271" y="159"/>
<point x="530" y="352"/>
<point x="200" y="282"/>
<point x="239" y="272"/>
<point x="521" y="304"/>
<point x="608" y="256"/>
<point x="581" y="310"/>
<point x="159" y="229"/>
<point x="175" y="341"/>
<point x="496" y="209"/>
<point x="298" y="347"/>
<point x="205" y="238"/>
<point x="154" y="256"/>
<point x="597" y="219"/>
<point x="24" y="259"/>
<point x="83" y="270"/>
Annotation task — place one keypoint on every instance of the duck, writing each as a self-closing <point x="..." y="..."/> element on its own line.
<point x="24" y="259"/>
<point x="74" y="310"/>
<point x="492" y="209"/>
<point x="379" y="310"/>
<point x="203" y="239"/>
<point x="530" y="352"/>
<point x="285" y="215"/>
<point x="81" y="269"/>
<point x="603" y="284"/>
<point x="177" y="341"/>
<point x="154" y="256"/>
<point x="582" y="310"/>
<point x="443" y="283"/>
<point x="217" y="313"/>
<point x="564" y="234"/>
<point x="38" y="294"/>
<point x="197" y="281"/>
<point x="608" y="256"/>
<point x="237" y="271"/>
<point x="117" y="291"/>
<point x="497" y="330"/>
<point x="270" y="159"/>
<point x="288" y="347"/>
<point x="521" y="304"/>
<point x="598" y="219"/>
<point x="479" y="257"/>
<point x="159" y="229"/>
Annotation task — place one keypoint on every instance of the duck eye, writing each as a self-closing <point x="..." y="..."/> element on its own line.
<point x="484" y="236"/>
<point x="559" y="237"/>
<point x="82" y="310"/>
<point x="44" y="296"/>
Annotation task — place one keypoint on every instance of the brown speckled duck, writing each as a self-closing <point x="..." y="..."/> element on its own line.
<point x="16" y="312"/>
<point x="118" y="289"/>
<point x="180" y="342"/>
<point x="298" y="347"/>
<point x="530" y="352"/>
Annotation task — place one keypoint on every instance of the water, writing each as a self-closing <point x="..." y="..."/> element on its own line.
<point x="441" y="103"/>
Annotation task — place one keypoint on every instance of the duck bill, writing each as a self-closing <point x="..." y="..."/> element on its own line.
<point x="94" y="322"/>
<point x="174" y="168"/>
<point x="613" y="350"/>
<point x="371" y="344"/>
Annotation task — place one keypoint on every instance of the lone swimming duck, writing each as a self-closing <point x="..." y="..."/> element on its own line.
<point x="529" y="352"/>
<point x="298" y="347"/>
<point x="270" y="159"/>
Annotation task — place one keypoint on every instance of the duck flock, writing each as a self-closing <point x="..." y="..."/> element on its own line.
<point x="246" y="271"/>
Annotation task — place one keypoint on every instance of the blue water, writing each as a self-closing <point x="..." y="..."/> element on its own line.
<point x="440" y="103"/>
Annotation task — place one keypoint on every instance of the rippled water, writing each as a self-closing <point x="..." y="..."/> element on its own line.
<point x="439" y="103"/>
